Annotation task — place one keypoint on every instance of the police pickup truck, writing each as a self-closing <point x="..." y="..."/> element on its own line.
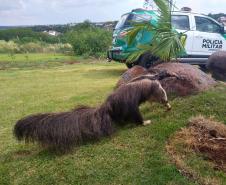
<point x="204" y="36"/>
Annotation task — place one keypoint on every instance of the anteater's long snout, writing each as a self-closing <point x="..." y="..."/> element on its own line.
<point x="168" y="106"/>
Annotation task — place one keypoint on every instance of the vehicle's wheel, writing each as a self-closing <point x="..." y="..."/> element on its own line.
<point x="129" y="65"/>
<point x="147" y="60"/>
<point x="203" y="67"/>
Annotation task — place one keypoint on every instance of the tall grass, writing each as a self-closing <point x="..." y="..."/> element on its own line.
<point x="34" y="47"/>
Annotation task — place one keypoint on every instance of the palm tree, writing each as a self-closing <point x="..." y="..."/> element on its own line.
<point x="166" y="43"/>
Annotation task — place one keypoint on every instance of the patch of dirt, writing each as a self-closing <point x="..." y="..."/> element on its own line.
<point x="21" y="154"/>
<point x="72" y="62"/>
<point x="209" y="138"/>
<point x="204" y="137"/>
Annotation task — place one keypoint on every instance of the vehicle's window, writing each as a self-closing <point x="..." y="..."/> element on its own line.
<point x="141" y="17"/>
<point x="206" y="25"/>
<point x="128" y="19"/>
<point x="136" y="18"/>
<point x="121" y="22"/>
<point x="181" y="22"/>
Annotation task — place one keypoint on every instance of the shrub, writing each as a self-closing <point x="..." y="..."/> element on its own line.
<point x="9" y="47"/>
<point x="31" y="47"/>
<point x="89" y="40"/>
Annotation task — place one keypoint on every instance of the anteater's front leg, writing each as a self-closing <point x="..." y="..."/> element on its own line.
<point x="136" y="116"/>
<point x="147" y="122"/>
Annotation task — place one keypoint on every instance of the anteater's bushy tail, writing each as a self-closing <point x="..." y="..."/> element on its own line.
<point x="26" y="128"/>
<point x="63" y="130"/>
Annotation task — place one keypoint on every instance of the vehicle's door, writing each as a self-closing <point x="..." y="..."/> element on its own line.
<point x="208" y="37"/>
<point x="182" y="23"/>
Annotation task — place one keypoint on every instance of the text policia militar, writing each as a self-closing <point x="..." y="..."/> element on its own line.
<point x="212" y="44"/>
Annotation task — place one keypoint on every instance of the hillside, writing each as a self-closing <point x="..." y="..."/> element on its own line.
<point x="62" y="28"/>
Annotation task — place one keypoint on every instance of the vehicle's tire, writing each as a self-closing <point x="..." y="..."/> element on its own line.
<point x="129" y="65"/>
<point x="203" y="67"/>
<point x="147" y="60"/>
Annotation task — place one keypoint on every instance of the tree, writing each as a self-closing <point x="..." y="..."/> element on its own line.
<point x="89" y="40"/>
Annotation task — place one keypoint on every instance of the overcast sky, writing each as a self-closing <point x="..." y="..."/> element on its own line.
<point x="33" y="12"/>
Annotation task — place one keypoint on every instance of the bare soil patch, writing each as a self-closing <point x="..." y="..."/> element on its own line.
<point x="72" y="62"/>
<point x="204" y="138"/>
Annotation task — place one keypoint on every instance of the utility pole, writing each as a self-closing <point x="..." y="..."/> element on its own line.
<point x="150" y="4"/>
<point x="171" y="9"/>
<point x="170" y="4"/>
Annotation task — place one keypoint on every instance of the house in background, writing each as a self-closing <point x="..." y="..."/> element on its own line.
<point x="52" y="33"/>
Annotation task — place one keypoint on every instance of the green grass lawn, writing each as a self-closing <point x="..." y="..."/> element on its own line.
<point x="133" y="155"/>
<point x="34" y="61"/>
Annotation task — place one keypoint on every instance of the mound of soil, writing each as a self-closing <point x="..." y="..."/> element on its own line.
<point x="209" y="138"/>
<point x="130" y="74"/>
<point x="217" y="65"/>
<point x="189" y="79"/>
<point x="205" y="137"/>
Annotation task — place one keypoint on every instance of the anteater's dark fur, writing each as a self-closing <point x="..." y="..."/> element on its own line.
<point x="66" y="129"/>
<point x="155" y="74"/>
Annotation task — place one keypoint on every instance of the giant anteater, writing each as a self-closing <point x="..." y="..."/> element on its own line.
<point x="65" y="129"/>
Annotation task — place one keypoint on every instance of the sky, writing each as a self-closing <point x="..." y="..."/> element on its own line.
<point x="36" y="12"/>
